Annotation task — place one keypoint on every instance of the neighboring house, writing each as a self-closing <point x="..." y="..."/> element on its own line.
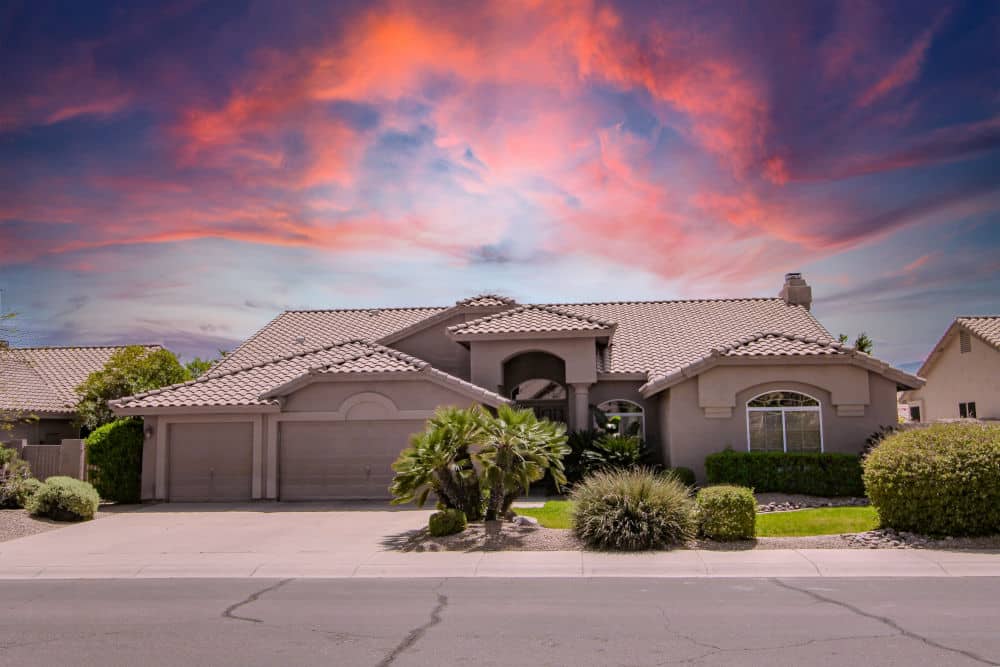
<point x="38" y="389"/>
<point x="962" y="373"/>
<point x="319" y="403"/>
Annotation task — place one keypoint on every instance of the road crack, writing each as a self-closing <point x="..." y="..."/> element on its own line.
<point x="417" y="633"/>
<point x="900" y="630"/>
<point x="253" y="597"/>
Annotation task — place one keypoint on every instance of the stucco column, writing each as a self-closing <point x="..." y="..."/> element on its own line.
<point x="581" y="406"/>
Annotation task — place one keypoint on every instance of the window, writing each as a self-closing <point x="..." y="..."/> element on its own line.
<point x="915" y="413"/>
<point x="967" y="410"/>
<point x="964" y="342"/>
<point x="784" y="421"/>
<point x="621" y="417"/>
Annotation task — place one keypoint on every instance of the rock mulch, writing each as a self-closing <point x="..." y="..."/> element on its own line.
<point x="787" y="502"/>
<point x="18" y="523"/>
<point x="887" y="538"/>
<point x="511" y="537"/>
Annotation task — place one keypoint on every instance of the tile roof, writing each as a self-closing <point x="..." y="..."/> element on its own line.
<point x="44" y="379"/>
<point x="294" y="331"/>
<point x="533" y="318"/>
<point x="779" y="344"/>
<point x="486" y="300"/>
<point x="986" y="327"/>
<point x="258" y="384"/>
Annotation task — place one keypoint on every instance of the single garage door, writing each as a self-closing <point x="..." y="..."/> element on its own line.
<point x="340" y="460"/>
<point x="210" y="461"/>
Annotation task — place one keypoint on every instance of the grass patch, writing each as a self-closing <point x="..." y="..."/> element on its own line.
<point x="555" y="513"/>
<point x="823" y="521"/>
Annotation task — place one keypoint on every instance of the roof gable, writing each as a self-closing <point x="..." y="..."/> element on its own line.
<point x="984" y="327"/>
<point x="530" y="320"/>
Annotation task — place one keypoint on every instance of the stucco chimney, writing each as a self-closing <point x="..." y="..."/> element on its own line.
<point x="795" y="291"/>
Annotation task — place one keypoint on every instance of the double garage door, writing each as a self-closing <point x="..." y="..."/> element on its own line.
<point x="316" y="460"/>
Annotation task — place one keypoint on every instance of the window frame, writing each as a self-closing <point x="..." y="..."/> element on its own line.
<point x="818" y="408"/>
<point x="642" y="412"/>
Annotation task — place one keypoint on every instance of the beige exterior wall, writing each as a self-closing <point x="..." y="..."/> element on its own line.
<point x="691" y="434"/>
<point x="955" y="378"/>
<point x="45" y="431"/>
<point x="435" y="347"/>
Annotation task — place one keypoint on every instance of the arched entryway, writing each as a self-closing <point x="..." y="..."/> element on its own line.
<point x="537" y="380"/>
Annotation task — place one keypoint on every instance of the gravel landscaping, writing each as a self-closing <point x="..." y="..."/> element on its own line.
<point x="18" y="523"/>
<point x="786" y="502"/>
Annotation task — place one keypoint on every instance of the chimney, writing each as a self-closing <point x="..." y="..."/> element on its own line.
<point x="795" y="291"/>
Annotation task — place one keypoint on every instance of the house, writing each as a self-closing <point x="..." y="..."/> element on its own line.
<point x="319" y="403"/>
<point x="38" y="389"/>
<point x="962" y="373"/>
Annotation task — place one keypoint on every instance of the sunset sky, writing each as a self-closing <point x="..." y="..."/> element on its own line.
<point x="182" y="174"/>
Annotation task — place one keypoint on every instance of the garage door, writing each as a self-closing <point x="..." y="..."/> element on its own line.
<point x="340" y="460"/>
<point x="210" y="461"/>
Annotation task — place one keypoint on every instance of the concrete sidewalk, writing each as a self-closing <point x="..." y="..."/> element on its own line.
<point x="310" y="541"/>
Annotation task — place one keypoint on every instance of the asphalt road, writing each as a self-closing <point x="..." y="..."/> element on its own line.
<point x="501" y="622"/>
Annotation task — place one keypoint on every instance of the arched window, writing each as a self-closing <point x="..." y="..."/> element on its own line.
<point x="622" y="418"/>
<point x="784" y="421"/>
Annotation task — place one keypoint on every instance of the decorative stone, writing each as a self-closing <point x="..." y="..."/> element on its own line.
<point x="525" y="522"/>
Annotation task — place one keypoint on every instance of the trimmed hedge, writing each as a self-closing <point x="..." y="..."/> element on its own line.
<point x="939" y="480"/>
<point x="114" y="452"/>
<point x="727" y="512"/>
<point x="632" y="510"/>
<point x="64" y="499"/>
<point x="447" y="522"/>
<point x="812" y="474"/>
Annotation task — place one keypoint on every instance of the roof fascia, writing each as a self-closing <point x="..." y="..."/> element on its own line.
<point x="195" y="409"/>
<point x="603" y="333"/>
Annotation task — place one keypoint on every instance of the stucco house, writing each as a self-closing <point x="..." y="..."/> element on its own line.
<point x="38" y="389"/>
<point x="319" y="403"/>
<point x="962" y="373"/>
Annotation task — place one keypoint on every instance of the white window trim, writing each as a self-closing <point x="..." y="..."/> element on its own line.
<point x="642" y="411"/>
<point x="784" y="431"/>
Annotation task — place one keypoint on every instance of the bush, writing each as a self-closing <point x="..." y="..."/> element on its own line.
<point x="631" y="510"/>
<point x="940" y="480"/>
<point x="447" y="522"/>
<point x="64" y="499"/>
<point x="813" y="474"/>
<point x="727" y="512"/>
<point x="14" y="471"/>
<point x="685" y="475"/>
<point x="595" y="450"/>
<point x="114" y="454"/>
<point x="26" y="491"/>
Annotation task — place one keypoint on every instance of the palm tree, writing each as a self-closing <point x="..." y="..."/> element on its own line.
<point x="518" y="449"/>
<point x="863" y="343"/>
<point x="438" y="460"/>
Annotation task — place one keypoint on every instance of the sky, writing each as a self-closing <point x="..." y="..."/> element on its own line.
<point x="182" y="172"/>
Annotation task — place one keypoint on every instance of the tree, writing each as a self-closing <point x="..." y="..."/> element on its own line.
<point x="863" y="343"/>
<point x="198" y="366"/>
<point x="519" y="449"/>
<point x="129" y="371"/>
<point x="438" y="461"/>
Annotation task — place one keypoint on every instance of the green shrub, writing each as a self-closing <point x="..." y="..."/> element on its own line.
<point x="685" y="475"/>
<point x="813" y="474"/>
<point x="26" y="491"/>
<point x="114" y="454"/>
<point x="726" y="512"/>
<point x="64" y="499"/>
<point x="631" y="510"/>
<point x="595" y="450"/>
<point x="447" y="522"/>
<point x="940" y="480"/>
<point x="14" y="471"/>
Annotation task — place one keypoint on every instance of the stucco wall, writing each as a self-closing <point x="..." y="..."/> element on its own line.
<point x="691" y="436"/>
<point x="42" y="431"/>
<point x="956" y="378"/>
<point x="406" y="394"/>
<point x="435" y="347"/>
<point x="488" y="357"/>
<point x="629" y="391"/>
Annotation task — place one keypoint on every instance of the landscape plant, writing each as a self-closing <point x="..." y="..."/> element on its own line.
<point x="64" y="499"/>
<point x="446" y="522"/>
<point x="114" y="457"/>
<point x="810" y="473"/>
<point x="939" y="480"/>
<point x="14" y="474"/>
<point x="685" y="475"/>
<point x="726" y="512"/>
<point x="631" y="510"/>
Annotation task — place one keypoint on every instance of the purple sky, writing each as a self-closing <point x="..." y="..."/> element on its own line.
<point x="181" y="174"/>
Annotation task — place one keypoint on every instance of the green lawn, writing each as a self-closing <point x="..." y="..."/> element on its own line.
<point x="555" y="514"/>
<point x="823" y="521"/>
